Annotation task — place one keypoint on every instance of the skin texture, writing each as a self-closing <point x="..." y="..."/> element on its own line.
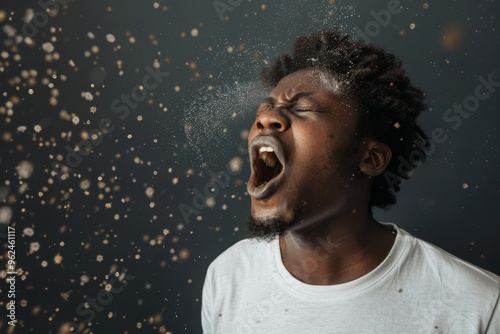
<point x="320" y="209"/>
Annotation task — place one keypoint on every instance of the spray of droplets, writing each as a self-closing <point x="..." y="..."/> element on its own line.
<point x="217" y="115"/>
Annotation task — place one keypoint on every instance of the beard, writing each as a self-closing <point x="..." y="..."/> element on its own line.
<point x="267" y="229"/>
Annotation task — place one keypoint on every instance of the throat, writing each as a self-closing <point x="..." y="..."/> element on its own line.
<point x="335" y="261"/>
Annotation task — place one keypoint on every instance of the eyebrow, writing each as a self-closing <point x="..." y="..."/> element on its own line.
<point x="295" y="98"/>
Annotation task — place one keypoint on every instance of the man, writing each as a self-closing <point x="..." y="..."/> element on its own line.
<point x="325" y="148"/>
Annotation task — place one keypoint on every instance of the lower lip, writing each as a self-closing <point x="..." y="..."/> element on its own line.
<point x="261" y="192"/>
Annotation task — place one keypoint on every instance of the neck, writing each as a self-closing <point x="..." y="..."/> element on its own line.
<point x="336" y="250"/>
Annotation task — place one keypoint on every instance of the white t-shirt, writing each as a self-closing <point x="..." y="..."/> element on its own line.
<point x="418" y="288"/>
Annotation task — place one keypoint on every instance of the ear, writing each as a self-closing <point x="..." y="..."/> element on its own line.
<point x="375" y="158"/>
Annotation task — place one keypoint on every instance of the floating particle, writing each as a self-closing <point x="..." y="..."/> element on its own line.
<point x="84" y="184"/>
<point x="37" y="128"/>
<point x="236" y="164"/>
<point x="21" y="128"/>
<point x="110" y="38"/>
<point x="425" y="5"/>
<point x="210" y="202"/>
<point x="22" y="188"/>
<point x="44" y="264"/>
<point x="99" y="258"/>
<point x="5" y="214"/>
<point x="452" y="36"/>
<point x="150" y="192"/>
<point x="194" y="32"/>
<point x="156" y="5"/>
<point x="412" y="26"/>
<point x="75" y="120"/>
<point x="25" y="169"/>
<point x="28" y="231"/>
<point x="31" y="91"/>
<point x="93" y="109"/>
<point x="34" y="247"/>
<point x="263" y="7"/>
<point x="184" y="254"/>
<point x="166" y="231"/>
<point x="58" y="258"/>
<point x="177" y="88"/>
<point x="175" y="180"/>
<point x="65" y="295"/>
<point x="397" y="125"/>
<point x="48" y="47"/>
<point x="108" y="205"/>
<point x="465" y="186"/>
<point x="88" y="96"/>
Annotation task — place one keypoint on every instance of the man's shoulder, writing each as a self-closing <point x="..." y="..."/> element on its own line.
<point x="243" y="253"/>
<point x="444" y="265"/>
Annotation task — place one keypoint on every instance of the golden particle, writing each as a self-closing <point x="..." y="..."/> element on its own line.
<point x="58" y="258"/>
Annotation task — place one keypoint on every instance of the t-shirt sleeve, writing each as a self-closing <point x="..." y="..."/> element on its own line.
<point x="494" y="325"/>
<point x="206" y="303"/>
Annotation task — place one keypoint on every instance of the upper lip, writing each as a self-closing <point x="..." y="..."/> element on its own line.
<point x="273" y="142"/>
<point x="258" y="142"/>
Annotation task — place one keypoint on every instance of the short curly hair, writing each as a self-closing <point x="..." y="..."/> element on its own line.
<point x="390" y="104"/>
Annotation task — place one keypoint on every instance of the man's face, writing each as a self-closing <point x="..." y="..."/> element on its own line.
<point x="304" y="154"/>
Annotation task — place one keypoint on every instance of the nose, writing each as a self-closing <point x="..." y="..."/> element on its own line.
<point x="273" y="119"/>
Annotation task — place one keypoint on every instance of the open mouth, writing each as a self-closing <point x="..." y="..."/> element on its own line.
<point x="267" y="166"/>
<point x="267" y="158"/>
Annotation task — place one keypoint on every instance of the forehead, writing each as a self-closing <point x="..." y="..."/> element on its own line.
<point x="310" y="79"/>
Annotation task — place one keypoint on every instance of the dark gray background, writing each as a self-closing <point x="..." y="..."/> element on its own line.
<point x="451" y="45"/>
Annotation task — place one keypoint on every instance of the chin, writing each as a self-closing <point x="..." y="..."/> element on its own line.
<point x="266" y="223"/>
<point x="266" y="229"/>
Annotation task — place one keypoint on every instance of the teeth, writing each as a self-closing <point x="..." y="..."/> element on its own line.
<point x="266" y="149"/>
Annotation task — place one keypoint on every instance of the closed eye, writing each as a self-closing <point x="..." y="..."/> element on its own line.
<point x="301" y="109"/>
